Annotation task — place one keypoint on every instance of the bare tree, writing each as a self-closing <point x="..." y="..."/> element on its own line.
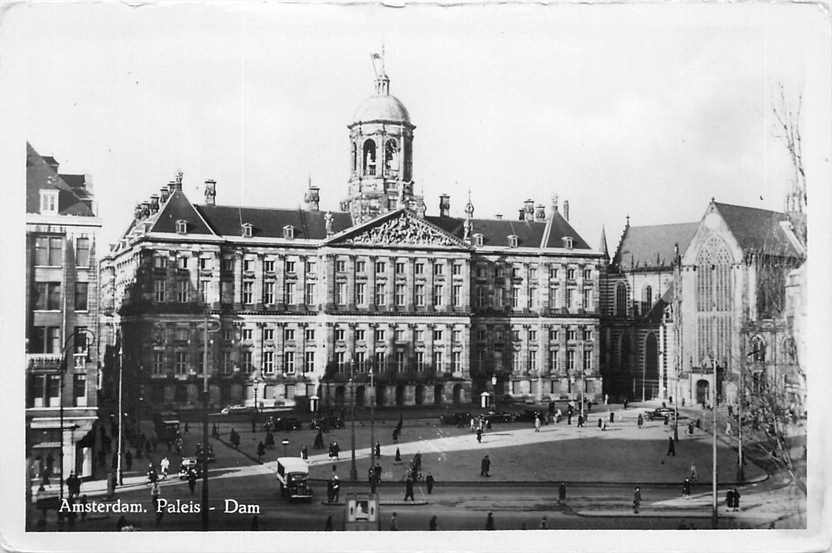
<point x="787" y="117"/>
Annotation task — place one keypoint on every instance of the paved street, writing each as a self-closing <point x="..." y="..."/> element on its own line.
<point x="600" y="468"/>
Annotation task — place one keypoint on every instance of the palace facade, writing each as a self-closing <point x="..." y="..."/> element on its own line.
<point x="378" y="302"/>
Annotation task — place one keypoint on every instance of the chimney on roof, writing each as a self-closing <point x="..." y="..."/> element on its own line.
<point x="522" y="214"/>
<point x="444" y="205"/>
<point x="528" y="206"/>
<point x="210" y="192"/>
<point x="164" y="192"/>
<point x="145" y="209"/>
<point x="566" y="209"/>
<point x="312" y="197"/>
<point x="137" y="211"/>
<point x="51" y="162"/>
<point x="154" y="203"/>
<point x="499" y="216"/>
<point x="540" y="213"/>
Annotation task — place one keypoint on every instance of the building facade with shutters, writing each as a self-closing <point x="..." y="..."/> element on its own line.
<point x="62" y="373"/>
<point x="378" y="302"/>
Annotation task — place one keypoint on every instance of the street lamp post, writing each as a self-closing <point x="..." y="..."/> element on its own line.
<point x="714" y="508"/>
<point x="372" y="423"/>
<point x="353" y="469"/>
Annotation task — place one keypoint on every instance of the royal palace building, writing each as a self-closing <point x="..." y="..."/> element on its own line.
<point x="377" y="302"/>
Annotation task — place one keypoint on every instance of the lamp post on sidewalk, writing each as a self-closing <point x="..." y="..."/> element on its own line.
<point x="353" y="468"/>
<point x="372" y="422"/>
<point x="208" y="326"/>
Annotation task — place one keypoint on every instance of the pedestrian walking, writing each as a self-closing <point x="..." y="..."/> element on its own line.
<point x="394" y="523"/>
<point x="433" y="524"/>
<point x="378" y="449"/>
<point x="640" y="421"/>
<point x="544" y="524"/>
<point x="692" y="472"/>
<point x="328" y="525"/>
<point x="186" y="427"/>
<point x="600" y="422"/>
<point x="729" y="499"/>
<point x="429" y="482"/>
<point x="690" y="428"/>
<point x="261" y="450"/>
<point x="304" y="452"/>
<point x="562" y="492"/>
<point x="408" y="489"/>
<point x="485" y="466"/>
<point x="479" y="435"/>
<point x="606" y="398"/>
<point x="536" y="423"/>
<point x="371" y="478"/>
<point x="398" y="457"/>
<point x="612" y="417"/>
<point x="671" y="447"/>
<point x="686" y="487"/>
<point x="569" y="417"/>
<point x="636" y="499"/>
<point x="192" y="480"/>
<point x="489" y="522"/>
<point x="580" y="421"/>
<point x="269" y="442"/>
<point x="666" y="420"/>
<point x="164" y="465"/>
<point x="730" y="410"/>
<point x="73" y="485"/>
<point x="736" y="499"/>
<point x="625" y="403"/>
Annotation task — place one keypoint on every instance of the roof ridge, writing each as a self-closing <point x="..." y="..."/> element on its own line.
<point x="750" y="208"/>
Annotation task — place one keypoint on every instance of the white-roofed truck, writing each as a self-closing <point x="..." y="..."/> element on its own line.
<point x="293" y="478"/>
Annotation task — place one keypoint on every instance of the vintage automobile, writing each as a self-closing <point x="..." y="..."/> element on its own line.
<point x="188" y="464"/>
<point x="460" y="418"/>
<point x="659" y="413"/>
<point x="326" y="422"/>
<point x="500" y="416"/>
<point x="238" y="410"/>
<point x="293" y="478"/>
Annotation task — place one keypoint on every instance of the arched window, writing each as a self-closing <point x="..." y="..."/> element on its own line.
<point x="391" y="156"/>
<point x="647" y="297"/>
<point x="620" y="300"/>
<point x="369" y="157"/>
<point x="758" y="349"/>
<point x="354" y="157"/>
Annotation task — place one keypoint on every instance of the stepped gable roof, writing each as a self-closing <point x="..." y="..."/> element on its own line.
<point x="269" y="223"/>
<point x="178" y="207"/>
<point x="529" y="233"/>
<point x="758" y="230"/>
<point x="40" y="176"/>
<point x="652" y="246"/>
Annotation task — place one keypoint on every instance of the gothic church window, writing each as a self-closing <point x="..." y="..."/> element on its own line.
<point x="620" y="300"/>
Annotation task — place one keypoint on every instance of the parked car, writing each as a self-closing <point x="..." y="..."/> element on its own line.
<point x="293" y="478"/>
<point x="500" y="416"/>
<point x="660" y="413"/>
<point x="458" y="418"/>
<point x="327" y="422"/>
<point x="285" y="423"/>
<point x="237" y="410"/>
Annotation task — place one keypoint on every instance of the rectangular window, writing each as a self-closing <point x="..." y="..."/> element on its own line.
<point x="182" y="291"/>
<point x="420" y="295"/>
<point x="228" y="334"/>
<point x="437" y="269"/>
<point x="532" y="336"/>
<point x="289" y="366"/>
<point x="515" y="335"/>
<point x="400" y="361"/>
<point x="420" y="361"/>
<point x="309" y="293"/>
<point x="437" y="294"/>
<point x="56" y="253"/>
<point x="203" y="290"/>
<point x="360" y="266"/>
<point x="420" y="335"/>
<point x="159" y="290"/>
<point x="456" y="295"/>
<point x="437" y="362"/>
<point x="553" y="297"/>
<point x="361" y="361"/>
<point x="419" y="268"/>
<point x="379" y="335"/>
<point x="380" y="294"/>
<point x="570" y="274"/>
<point x="532" y="273"/>
<point x="499" y="298"/>
<point x="309" y="361"/>
<point x="160" y="261"/>
<point x="203" y="263"/>
<point x="182" y="262"/>
<point x="399" y="268"/>
<point x="437" y="335"/>
<point x="49" y="201"/>
<point x="570" y="296"/>
<point x="532" y="360"/>
<point x="570" y="360"/>
<point x="380" y="360"/>
<point x="158" y="362"/>
<point x="516" y="362"/>
<point x="456" y="361"/>
<point x="341" y="361"/>
<point x="400" y="295"/>
<point x="399" y="334"/>
<point x="587" y="334"/>
<point x="290" y="266"/>
<point x="380" y="267"/>
<point x="341" y="293"/>
<point x="457" y="336"/>
<point x="42" y="250"/>
<point x="310" y="267"/>
<point x="48" y="295"/>
<point x="588" y="360"/>
<point x="553" y="273"/>
<point x="289" y="293"/>
<point x="227" y="364"/>
<point x="482" y="296"/>
<point x="268" y="362"/>
<point x="571" y="334"/>
<point x="268" y="334"/>
<point x="268" y="293"/>
<point x="587" y="274"/>
<point x="228" y="264"/>
<point x="553" y="360"/>
<point x="515" y="272"/>
<point x="79" y="390"/>
<point x="82" y="252"/>
<point x="359" y="334"/>
<point x="81" y="291"/>
<point x="309" y="334"/>
<point x="515" y="297"/>
<point x="181" y="365"/>
<point x="360" y="293"/>
<point x="532" y="297"/>
<point x="339" y="333"/>
<point x="268" y="265"/>
<point x="245" y="361"/>
<point x="248" y="292"/>
<point x="586" y="301"/>
<point x="457" y="269"/>
<point x="340" y="265"/>
<point x="289" y="334"/>
<point x="248" y="333"/>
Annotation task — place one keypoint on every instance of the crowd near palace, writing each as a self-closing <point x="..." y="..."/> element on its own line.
<point x="391" y="303"/>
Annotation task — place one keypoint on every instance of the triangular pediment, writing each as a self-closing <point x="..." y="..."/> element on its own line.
<point x="399" y="229"/>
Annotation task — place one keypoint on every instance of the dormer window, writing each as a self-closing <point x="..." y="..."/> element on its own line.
<point x="247" y="230"/>
<point x="289" y="232"/>
<point x="567" y="242"/>
<point x="512" y="240"/>
<point x="181" y="226"/>
<point x="49" y="202"/>
<point x="478" y="239"/>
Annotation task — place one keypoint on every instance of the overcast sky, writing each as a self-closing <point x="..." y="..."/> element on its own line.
<point x="647" y="111"/>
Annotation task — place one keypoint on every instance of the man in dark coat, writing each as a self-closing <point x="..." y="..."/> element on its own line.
<point x="192" y="480"/>
<point x="479" y="435"/>
<point x="489" y="522"/>
<point x="485" y="466"/>
<point x="562" y="492"/>
<point x="378" y="449"/>
<point x="261" y="450"/>
<point x="636" y="499"/>
<point x="408" y="489"/>
<point x="429" y="481"/>
<point x="686" y="487"/>
<point x="671" y="446"/>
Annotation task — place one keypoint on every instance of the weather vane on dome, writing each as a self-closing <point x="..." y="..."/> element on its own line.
<point x="378" y="56"/>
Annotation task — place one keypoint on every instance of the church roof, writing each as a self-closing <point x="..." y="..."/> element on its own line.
<point x="758" y="230"/>
<point x="652" y="246"/>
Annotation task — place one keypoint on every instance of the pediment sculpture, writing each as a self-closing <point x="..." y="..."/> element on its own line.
<point x="402" y="230"/>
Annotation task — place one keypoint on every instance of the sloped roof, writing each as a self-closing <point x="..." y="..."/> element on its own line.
<point x="652" y="246"/>
<point x="178" y="207"/>
<point x="269" y="223"/>
<point x="758" y="230"/>
<point x="529" y="233"/>
<point x="40" y="176"/>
